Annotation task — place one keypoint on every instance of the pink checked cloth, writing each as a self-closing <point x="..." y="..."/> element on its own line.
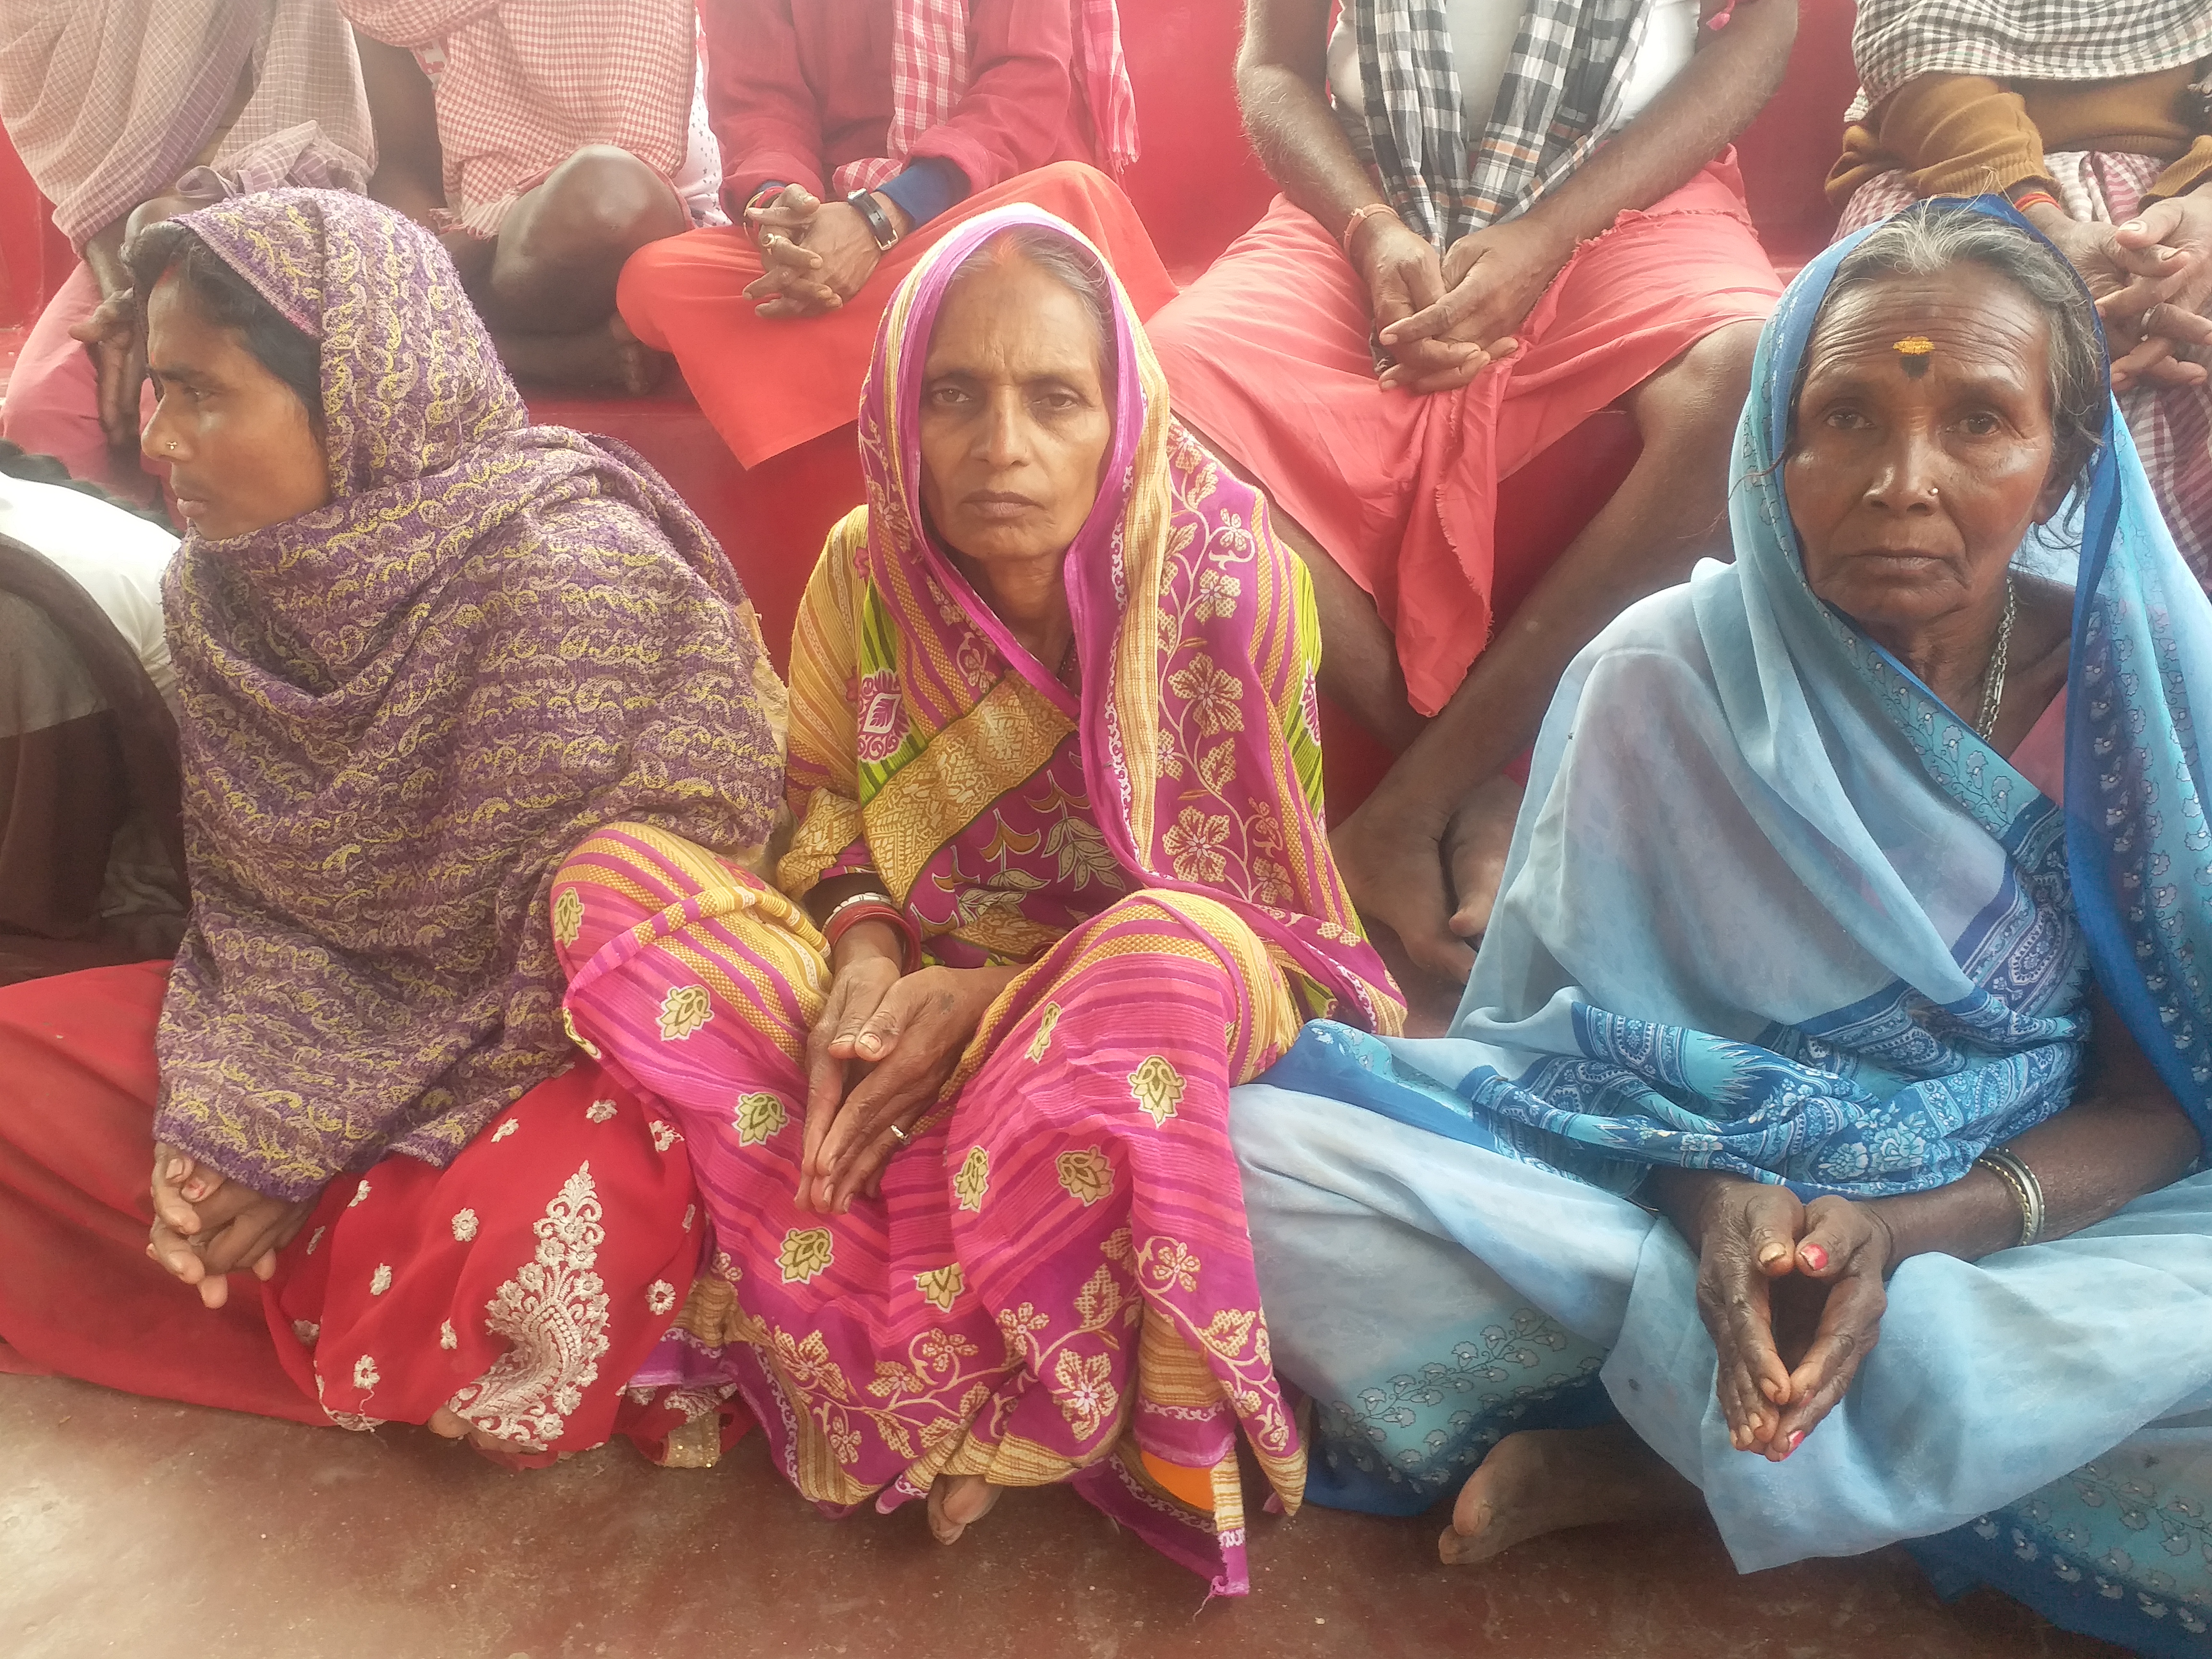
<point x="109" y="104"/>
<point x="525" y="84"/>
<point x="929" y="75"/>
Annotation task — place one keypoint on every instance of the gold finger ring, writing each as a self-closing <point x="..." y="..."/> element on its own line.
<point x="901" y="1136"/>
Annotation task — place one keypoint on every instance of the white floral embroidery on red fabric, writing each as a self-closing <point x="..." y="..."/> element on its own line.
<point x="507" y="1128"/>
<point x="316" y="1237"/>
<point x="554" y="1315"/>
<point x="665" y="1135"/>
<point x="306" y="1331"/>
<point x="691" y="1214"/>
<point x="447" y="1336"/>
<point x="380" y="1280"/>
<point x="599" y="1110"/>
<point x="365" y="1374"/>
<point x="465" y="1224"/>
<point x="359" y="1193"/>
<point x="661" y="1298"/>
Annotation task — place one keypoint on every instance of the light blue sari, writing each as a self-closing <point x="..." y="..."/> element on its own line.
<point x="1772" y="908"/>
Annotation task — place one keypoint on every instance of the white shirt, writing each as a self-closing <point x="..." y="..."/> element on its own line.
<point x="116" y="556"/>
<point x="1482" y="36"/>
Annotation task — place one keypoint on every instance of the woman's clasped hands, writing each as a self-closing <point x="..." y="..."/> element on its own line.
<point x="1791" y="1293"/>
<point x="879" y="1057"/>
<point x="207" y="1226"/>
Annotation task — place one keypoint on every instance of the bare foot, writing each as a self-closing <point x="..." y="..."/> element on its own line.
<point x="1475" y="847"/>
<point x="1545" y="1480"/>
<point x="957" y="1502"/>
<point x="1390" y="853"/>
<point x="446" y="1424"/>
<point x="608" y="357"/>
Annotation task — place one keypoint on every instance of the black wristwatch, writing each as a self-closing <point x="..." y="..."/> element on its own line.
<point x="879" y="222"/>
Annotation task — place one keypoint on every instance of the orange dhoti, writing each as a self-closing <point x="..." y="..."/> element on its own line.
<point x="770" y="384"/>
<point x="1267" y="356"/>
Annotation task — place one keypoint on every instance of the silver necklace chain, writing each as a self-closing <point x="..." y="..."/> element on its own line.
<point x="1993" y="677"/>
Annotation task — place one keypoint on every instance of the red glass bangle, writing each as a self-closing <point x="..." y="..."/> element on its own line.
<point x="850" y="917"/>
<point x="2021" y="204"/>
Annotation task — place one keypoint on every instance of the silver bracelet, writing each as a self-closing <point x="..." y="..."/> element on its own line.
<point x="2009" y="1167"/>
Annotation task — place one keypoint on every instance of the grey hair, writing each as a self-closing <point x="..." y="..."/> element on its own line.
<point x="1062" y="260"/>
<point x="1934" y="236"/>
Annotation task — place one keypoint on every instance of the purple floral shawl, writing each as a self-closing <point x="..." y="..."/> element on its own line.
<point x="402" y="709"/>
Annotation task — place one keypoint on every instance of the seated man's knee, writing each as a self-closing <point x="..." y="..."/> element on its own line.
<point x="603" y="196"/>
<point x="1701" y="392"/>
<point x="561" y="250"/>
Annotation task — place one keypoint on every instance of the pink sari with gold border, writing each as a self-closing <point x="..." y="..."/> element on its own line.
<point x="1055" y="1283"/>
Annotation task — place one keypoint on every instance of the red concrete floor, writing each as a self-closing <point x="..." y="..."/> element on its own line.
<point x="128" y="1527"/>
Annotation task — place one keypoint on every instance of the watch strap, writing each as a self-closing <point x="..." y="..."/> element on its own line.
<point x="880" y="227"/>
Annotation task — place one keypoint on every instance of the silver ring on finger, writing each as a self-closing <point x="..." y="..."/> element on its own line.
<point x="902" y="1136"/>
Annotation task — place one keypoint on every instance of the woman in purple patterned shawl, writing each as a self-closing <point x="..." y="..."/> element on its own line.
<point x="422" y="648"/>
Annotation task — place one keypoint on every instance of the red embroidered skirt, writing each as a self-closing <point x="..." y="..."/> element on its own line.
<point x="521" y="1285"/>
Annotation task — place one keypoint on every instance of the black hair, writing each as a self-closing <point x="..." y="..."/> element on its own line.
<point x="227" y="299"/>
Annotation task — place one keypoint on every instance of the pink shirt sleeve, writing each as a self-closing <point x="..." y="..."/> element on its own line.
<point x="758" y="102"/>
<point x="1020" y="83"/>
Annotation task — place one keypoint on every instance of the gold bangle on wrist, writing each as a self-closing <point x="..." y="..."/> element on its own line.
<point x="2010" y="1168"/>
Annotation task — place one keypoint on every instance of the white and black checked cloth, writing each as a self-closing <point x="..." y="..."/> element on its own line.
<point x="1562" y="91"/>
<point x="1894" y="40"/>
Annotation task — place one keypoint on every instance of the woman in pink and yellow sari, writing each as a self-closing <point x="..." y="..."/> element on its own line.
<point x="955" y="1090"/>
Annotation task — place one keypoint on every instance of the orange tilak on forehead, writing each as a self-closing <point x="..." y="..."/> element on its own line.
<point x="1913" y="352"/>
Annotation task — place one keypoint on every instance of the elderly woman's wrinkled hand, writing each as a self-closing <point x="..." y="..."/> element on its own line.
<point x="207" y="1226"/>
<point x="908" y="1032"/>
<point x="2161" y="310"/>
<point x="1792" y="1295"/>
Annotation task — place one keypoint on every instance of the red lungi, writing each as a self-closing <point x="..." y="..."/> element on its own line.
<point x="770" y="384"/>
<point x="1268" y="355"/>
<point x="523" y="1284"/>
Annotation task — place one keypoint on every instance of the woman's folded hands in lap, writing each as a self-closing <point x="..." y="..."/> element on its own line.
<point x="903" y="1033"/>
<point x="1791" y="1293"/>
<point x="207" y="1226"/>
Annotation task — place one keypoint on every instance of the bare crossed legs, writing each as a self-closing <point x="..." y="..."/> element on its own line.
<point x="1423" y="856"/>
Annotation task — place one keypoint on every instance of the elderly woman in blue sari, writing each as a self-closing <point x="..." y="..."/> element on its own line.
<point x="1813" y="1142"/>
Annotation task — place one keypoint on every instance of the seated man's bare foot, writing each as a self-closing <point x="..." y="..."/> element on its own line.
<point x="1545" y="1481"/>
<point x="1390" y="853"/>
<point x="957" y="1502"/>
<point x="1475" y="847"/>
<point x="606" y="358"/>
